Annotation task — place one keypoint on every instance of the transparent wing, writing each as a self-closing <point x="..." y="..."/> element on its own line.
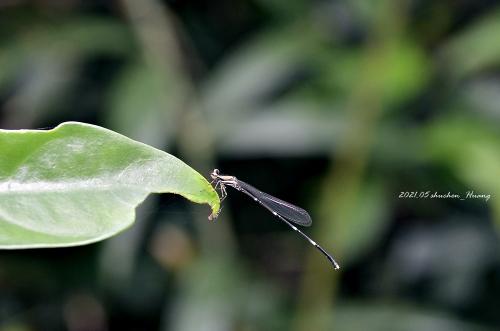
<point x="286" y="210"/>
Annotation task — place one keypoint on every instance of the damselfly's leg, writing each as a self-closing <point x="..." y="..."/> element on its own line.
<point x="223" y="192"/>
<point x="219" y="185"/>
<point x="216" y="184"/>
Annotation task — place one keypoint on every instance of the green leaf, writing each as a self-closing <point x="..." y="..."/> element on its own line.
<point x="361" y="218"/>
<point x="469" y="147"/>
<point x="237" y="85"/>
<point x="79" y="183"/>
<point x="476" y="48"/>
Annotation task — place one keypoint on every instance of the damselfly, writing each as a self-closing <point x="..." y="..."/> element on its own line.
<point x="285" y="211"/>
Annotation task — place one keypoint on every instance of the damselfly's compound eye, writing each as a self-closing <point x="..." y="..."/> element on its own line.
<point x="215" y="173"/>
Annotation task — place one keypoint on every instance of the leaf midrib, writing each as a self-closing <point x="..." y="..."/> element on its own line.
<point x="44" y="187"/>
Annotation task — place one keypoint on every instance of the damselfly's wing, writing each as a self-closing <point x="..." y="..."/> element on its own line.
<point x="286" y="210"/>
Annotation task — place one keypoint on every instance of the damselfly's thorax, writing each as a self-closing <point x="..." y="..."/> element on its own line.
<point x="223" y="179"/>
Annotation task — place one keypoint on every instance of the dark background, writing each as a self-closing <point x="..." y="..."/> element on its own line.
<point x="336" y="106"/>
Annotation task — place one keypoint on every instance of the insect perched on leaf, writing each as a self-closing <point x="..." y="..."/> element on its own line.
<point x="285" y="211"/>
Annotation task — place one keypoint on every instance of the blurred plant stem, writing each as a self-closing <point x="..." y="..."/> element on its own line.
<point x="341" y="187"/>
<point x="158" y="32"/>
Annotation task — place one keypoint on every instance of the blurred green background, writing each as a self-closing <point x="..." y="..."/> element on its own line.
<point x="336" y="106"/>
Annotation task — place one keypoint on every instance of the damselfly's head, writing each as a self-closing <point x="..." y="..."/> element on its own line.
<point x="215" y="174"/>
